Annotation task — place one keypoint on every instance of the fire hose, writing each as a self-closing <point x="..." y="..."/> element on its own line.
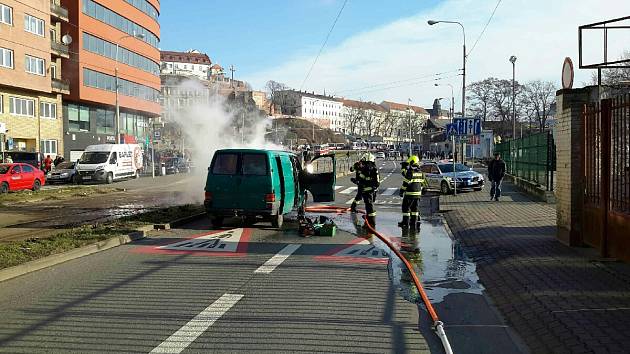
<point x="437" y="324"/>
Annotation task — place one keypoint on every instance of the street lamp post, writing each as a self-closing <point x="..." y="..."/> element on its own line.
<point x="409" y="124"/>
<point x="513" y="61"/>
<point x="117" y="123"/>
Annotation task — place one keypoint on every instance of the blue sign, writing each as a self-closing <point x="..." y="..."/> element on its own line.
<point x="451" y="129"/>
<point x="468" y="126"/>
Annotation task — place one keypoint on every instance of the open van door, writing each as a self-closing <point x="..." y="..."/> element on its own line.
<point x="319" y="177"/>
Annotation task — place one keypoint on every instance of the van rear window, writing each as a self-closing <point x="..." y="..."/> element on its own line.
<point x="225" y="164"/>
<point x="255" y="164"/>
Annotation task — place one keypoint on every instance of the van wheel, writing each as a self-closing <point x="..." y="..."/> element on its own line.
<point x="216" y="221"/>
<point x="444" y="188"/>
<point x="277" y="221"/>
<point x="36" y="185"/>
<point x="4" y="188"/>
<point x="110" y="178"/>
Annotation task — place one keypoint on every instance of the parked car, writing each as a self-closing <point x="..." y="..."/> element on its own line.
<point x="20" y="176"/>
<point x="65" y="172"/>
<point x="380" y="155"/>
<point x="31" y="158"/>
<point x="258" y="183"/>
<point x="176" y="165"/>
<point x="440" y="176"/>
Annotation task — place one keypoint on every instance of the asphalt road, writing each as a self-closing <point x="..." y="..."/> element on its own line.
<point x="255" y="290"/>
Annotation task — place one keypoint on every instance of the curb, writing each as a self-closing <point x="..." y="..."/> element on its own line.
<point x="28" y="267"/>
<point x="179" y="222"/>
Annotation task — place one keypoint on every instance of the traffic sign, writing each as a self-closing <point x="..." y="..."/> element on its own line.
<point x="451" y="129"/>
<point x="157" y="135"/>
<point x="468" y="126"/>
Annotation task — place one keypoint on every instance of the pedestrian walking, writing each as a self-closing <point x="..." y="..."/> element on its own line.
<point x="411" y="191"/>
<point x="368" y="183"/>
<point x="356" y="168"/>
<point x="47" y="164"/>
<point x="496" y="172"/>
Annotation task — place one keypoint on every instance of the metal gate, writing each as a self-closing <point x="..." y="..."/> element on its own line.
<point x="606" y="153"/>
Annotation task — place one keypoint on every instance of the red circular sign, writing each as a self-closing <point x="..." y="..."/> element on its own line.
<point x="567" y="73"/>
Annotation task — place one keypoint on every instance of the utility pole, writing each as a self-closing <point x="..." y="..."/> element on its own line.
<point x="513" y="61"/>
<point x="409" y="121"/>
<point x="232" y="70"/>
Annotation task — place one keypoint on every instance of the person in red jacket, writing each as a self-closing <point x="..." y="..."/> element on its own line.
<point x="47" y="164"/>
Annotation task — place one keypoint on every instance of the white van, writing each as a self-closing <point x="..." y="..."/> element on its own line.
<point x="109" y="162"/>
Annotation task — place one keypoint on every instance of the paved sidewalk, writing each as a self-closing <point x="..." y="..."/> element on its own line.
<point x="559" y="299"/>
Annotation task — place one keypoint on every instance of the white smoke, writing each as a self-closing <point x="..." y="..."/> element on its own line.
<point x="213" y="125"/>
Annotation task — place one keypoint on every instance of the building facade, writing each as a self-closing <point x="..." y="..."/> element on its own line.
<point x="363" y="118"/>
<point x="191" y="62"/>
<point x="110" y="37"/>
<point x="30" y="76"/>
<point x="325" y="111"/>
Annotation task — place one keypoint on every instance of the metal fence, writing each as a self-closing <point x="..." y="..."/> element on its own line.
<point x="532" y="158"/>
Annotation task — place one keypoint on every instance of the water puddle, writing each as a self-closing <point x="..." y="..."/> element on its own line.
<point x="439" y="261"/>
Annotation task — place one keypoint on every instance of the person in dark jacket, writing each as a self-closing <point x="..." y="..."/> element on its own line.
<point x="411" y="191"/>
<point x="356" y="168"/>
<point x="496" y="172"/>
<point x="368" y="183"/>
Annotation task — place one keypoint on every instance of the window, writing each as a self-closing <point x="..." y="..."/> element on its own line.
<point x="53" y="34"/>
<point x="108" y="49"/>
<point x="16" y="169"/>
<point x="255" y="164"/>
<point x="144" y="6"/>
<point x="225" y="164"/>
<point x="22" y="106"/>
<point x="78" y="117"/>
<point x="115" y="20"/>
<point x="6" y="14"/>
<point x="48" y="110"/>
<point x="35" y="65"/>
<point x="105" y="121"/>
<point x="6" y="58"/>
<point x="27" y="168"/>
<point x="106" y="82"/>
<point x="34" y="25"/>
<point x="53" y="70"/>
<point x="48" y="147"/>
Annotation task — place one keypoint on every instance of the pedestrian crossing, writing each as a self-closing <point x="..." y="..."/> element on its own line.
<point x="349" y="190"/>
<point x="353" y="190"/>
<point x="390" y="191"/>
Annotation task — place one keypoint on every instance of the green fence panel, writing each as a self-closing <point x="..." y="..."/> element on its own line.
<point x="531" y="158"/>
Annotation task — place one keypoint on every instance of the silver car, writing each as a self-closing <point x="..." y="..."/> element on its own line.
<point x="65" y="172"/>
<point x="440" y="176"/>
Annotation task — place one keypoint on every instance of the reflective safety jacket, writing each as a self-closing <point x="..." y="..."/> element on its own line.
<point x="368" y="178"/>
<point x="413" y="182"/>
<point x="403" y="168"/>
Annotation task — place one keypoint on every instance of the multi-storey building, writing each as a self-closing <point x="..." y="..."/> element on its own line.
<point x="110" y="39"/>
<point x="325" y="111"/>
<point x="363" y="118"/>
<point x="191" y="62"/>
<point x="30" y="80"/>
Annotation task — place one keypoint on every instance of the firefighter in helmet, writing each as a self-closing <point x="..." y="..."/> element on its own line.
<point x="368" y="183"/>
<point x="411" y="191"/>
<point x="356" y="168"/>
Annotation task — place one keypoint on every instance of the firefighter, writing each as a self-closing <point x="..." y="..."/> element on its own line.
<point x="368" y="183"/>
<point x="356" y="168"/>
<point x="411" y="191"/>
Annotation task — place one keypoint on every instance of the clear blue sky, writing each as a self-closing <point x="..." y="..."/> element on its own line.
<point x="254" y="35"/>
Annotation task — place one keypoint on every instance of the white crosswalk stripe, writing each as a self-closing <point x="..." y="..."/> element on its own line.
<point x="338" y="187"/>
<point x="349" y="190"/>
<point x="390" y="191"/>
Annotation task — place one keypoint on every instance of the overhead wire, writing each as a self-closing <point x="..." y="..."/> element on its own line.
<point x="396" y="82"/>
<point x="321" y="49"/>
<point x="484" y="28"/>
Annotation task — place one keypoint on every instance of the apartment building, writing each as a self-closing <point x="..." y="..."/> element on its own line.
<point x="325" y="111"/>
<point x="191" y="62"/>
<point x="31" y="84"/>
<point x="109" y="38"/>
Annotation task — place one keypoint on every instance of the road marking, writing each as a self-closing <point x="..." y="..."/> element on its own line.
<point x="350" y="201"/>
<point x="277" y="259"/>
<point x="181" y="339"/>
<point x="338" y="187"/>
<point x="348" y="190"/>
<point x="226" y="241"/>
<point x="358" y="251"/>
<point x="390" y="191"/>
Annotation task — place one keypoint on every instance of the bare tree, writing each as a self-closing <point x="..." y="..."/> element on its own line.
<point x="389" y="124"/>
<point x="538" y="97"/>
<point x="481" y="92"/>
<point x="353" y="119"/>
<point x="273" y="87"/>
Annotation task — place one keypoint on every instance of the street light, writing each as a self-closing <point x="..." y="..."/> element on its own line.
<point x="117" y="123"/>
<point x="409" y="122"/>
<point x="513" y="61"/>
<point x="452" y="100"/>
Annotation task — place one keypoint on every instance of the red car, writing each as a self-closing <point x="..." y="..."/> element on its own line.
<point x="19" y="176"/>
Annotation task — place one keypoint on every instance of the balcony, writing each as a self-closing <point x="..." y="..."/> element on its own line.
<point x="61" y="86"/>
<point x="58" y="11"/>
<point x="60" y="49"/>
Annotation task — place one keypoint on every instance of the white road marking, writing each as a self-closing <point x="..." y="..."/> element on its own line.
<point x="390" y="191"/>
<point x="181" y="339"/>
<point x="349" y="190"/>
<point x="224" y="241"/>
<point x="350" y="201"/>
<point x="277" y="259"/>
<point x="338" y="187"/>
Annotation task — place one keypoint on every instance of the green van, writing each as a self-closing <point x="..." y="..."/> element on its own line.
<point x="264" y="184"/>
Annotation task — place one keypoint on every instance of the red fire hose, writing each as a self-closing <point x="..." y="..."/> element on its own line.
<point x="439" y="326"/>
